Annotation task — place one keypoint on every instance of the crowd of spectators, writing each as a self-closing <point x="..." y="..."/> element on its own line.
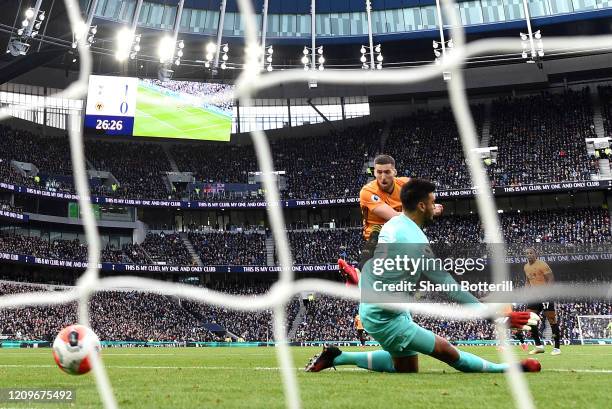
<point x="325" y="245"/>
<point x="541" y="138"/>
<point x="135" y="316"/>
<point x="155" y="249"/>
<point x="212" y="94"/>
<point x="327" y="319"/>
<point x="138" y="167"/>
<point x="605" y="95"/>
<point x="160" y="248"/>
<point x="567" y="230"/>
<point x="332" y="166"/>
<point x="246" y="325"/>
<point x="115" y="316"/>
<point x="563" y="226"/>
<point x="230" y="248"/>
<point x="426" y="144"/>
<point x="7" y="206"/>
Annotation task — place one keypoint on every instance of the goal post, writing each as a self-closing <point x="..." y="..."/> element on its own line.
<point x="594" y="329"/>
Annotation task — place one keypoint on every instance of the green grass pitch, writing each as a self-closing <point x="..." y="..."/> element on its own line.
<point x="158" y="115"/>
<point x="249" y="378"/>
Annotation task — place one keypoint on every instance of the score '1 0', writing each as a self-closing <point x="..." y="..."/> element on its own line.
<point x="111" y="125"/>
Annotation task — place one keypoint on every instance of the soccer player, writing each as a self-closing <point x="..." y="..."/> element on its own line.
<point x="537" y="273"/>
<point x="400" y="337"/>
<point x="360" y="331"/>
<point x="379" y="201"/>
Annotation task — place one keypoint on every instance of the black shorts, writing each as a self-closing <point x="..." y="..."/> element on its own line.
<point x="543" y="306"/>
<point x="367" y="251"/>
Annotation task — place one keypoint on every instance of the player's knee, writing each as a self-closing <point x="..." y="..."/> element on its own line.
<point x="406" y="365"/>
<point x="444" y="351"/>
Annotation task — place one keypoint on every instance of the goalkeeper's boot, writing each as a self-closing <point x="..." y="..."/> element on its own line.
<point x="323" y="360"/>
<point x="531" y="365"/>
<point x="539" y="349"/>
<point x="348" y="273"/>
<point x="556" y="351"/>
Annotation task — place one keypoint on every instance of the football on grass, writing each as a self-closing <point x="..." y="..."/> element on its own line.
<point x="72" y="348"/>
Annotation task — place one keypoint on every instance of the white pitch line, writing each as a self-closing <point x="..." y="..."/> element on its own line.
<point x="277" y="368"/>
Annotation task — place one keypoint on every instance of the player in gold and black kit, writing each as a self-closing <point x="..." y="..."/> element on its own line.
<point x="538" y="273"/>
<point x="361" y="334"/>
<point x="379" y="201"/>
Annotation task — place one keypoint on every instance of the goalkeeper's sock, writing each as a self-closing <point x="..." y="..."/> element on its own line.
<point x="535" y="334"/>
<point x="519" y="335"/>
<point x="378" y="361"/>
<point x="471" y="363"/>
<point x="556" y="334"/>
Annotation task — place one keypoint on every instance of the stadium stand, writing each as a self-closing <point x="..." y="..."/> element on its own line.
<point x="133" y="316"/>
<point x="327" y="169"/>
<point x="541" y="138"/>
<point x="444" y="165"/>
<point x="318" y="246"/>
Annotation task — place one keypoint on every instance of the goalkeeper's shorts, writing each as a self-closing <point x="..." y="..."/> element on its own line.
<point x="400" y="335"/>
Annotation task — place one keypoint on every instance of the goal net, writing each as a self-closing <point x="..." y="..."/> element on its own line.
<point x="250" y="82"/>
<point x="595" y="329"/>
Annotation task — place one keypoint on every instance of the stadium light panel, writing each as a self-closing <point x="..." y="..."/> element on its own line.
<point x="29" y="13"/>
<point x="25" y="23"/>
<point x="165" y="50"/>
<point x="125" y="39"/>
<point x="210" y="48"/>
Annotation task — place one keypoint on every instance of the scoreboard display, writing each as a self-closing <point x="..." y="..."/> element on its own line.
<point x="111" y="105"/>
<point x="126" y="106"/>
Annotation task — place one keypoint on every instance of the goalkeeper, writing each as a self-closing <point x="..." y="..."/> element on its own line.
<point x="400" y="337"/>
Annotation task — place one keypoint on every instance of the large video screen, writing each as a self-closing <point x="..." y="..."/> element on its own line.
<point x="150" y="108"/>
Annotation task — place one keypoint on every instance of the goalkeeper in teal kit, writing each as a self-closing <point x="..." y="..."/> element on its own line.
<point x="400" y="337"/>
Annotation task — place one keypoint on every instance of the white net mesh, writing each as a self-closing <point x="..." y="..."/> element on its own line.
<point x="286" y="287"/>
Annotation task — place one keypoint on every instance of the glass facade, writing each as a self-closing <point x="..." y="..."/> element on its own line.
<point x="264" y="114"/>
<point x="342" y="24"/>
<point x="281" y="113"/>
<point x="54" y="114"/>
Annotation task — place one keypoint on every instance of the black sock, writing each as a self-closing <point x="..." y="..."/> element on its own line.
<point x="535" y="334"/>
<point x="520" y="336"/>
<point x="556" y="334"/>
